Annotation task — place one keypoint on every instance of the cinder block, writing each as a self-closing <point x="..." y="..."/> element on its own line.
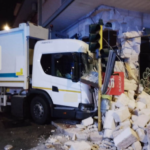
<point x="145" y="112"/>
<point x="142" y="120"/>
<point x="75" y="131"/>
<point x="125" y="138"/>
<point x="140" y="105"/>
<point x="131" y="105"/>
<point x="148" y="133"/>
<point x="142" y="136"/>
<point x="134" y="118"/>
<point x="121" y="114"/>
<point x="131" y="94"/>
<point x="117" y="132"/>
<point x="125" y="124"/>
<point x="146" y="147"/>
<point x="144" y="98"/>
<point x="135" y="127"/>
<point x="130" y="85"/>
<point x="108" y="133"/>
<point x="137" y="146"/>
<point x="122" y="100"/>
<point x="77" y="145"/>
<point x="136" y="112"/>
<point x="109" y="121"/>
<point x="88" y="121"/>
<point x="95" y="137"/>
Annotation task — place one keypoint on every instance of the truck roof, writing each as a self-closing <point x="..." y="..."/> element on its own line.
<point x="61" y="45"/>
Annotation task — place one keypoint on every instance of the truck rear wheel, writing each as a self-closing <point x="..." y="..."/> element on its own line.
<point x="39" y="110"/>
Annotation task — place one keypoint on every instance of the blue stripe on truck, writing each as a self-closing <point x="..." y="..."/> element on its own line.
<point x="8" y="75"/>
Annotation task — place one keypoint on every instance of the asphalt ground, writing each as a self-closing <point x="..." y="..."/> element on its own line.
<point x="22" y="134"/>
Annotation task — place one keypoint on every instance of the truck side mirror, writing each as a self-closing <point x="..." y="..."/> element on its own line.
<point x="75" y="69"/>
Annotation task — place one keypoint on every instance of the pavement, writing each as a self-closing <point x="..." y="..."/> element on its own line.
<point x="22" y="134"/>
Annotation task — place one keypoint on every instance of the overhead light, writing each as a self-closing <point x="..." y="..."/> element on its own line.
<point x="6" y="27"/>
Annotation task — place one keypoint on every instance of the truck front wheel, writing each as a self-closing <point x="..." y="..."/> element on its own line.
<point x="39" y="110"/>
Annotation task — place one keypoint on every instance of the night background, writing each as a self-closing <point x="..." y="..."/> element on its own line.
<point x="7" y="8"/>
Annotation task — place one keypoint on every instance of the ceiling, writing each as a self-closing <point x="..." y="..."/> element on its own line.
<point x="80" y="8"/>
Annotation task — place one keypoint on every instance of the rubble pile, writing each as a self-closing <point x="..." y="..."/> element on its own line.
<point x="128" y="123"/>
<point x="126" y="126"/>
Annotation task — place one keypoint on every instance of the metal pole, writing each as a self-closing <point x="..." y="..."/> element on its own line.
<point x="100" y="80"/>
<point x="99" y="94"/>
<point x="40" y="12"/>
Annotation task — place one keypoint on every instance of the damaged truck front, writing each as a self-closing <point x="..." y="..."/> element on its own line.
<point x="42" y="77"/>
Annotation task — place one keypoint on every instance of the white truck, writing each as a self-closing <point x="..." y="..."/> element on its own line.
<point x="41" y="77"/>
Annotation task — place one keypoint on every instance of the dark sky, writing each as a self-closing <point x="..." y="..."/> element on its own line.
<point x="7" y="12"/>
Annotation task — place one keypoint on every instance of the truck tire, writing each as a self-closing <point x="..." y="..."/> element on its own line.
<point x="39" y="110"/>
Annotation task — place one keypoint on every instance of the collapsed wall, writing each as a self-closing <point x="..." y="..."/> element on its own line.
<point x="122" y="21"/>
<point x="126" y="125"/>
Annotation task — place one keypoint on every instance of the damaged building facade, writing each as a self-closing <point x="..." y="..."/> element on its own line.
<point x="126" y="123"/>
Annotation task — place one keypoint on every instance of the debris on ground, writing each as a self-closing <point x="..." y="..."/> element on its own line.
<point x="8" y="147"/>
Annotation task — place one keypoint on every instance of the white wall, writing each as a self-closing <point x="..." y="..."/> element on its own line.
<point x="122" y="20"/>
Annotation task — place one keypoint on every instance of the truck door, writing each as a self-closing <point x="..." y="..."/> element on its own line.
<point x="64" y="91"/>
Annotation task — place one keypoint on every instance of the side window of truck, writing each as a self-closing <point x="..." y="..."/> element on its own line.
<point x="63" y="65"/>
<point x="46" y="63"/>
<point x="59" y="65"/>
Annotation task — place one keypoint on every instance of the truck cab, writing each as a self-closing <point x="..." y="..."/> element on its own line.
<point x="57" y="68"/>
<point x="41" y="77"/>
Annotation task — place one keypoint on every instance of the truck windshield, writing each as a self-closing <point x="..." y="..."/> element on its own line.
<point x="86" y="67"/>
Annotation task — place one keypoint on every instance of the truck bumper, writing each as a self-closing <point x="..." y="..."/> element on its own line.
<point x="82" y="115"/>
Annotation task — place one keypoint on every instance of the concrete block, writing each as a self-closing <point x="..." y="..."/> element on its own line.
<point x="131" y="105"/>
<point x="135" y="127"/>
<point x="80" y="126"/>
<point x="95" y="137"/>
<point x="130" y="85"/>
<point x="79" y="145"/>
<point x="142" y="136"/>
<point x="74" y="137"/>
<point x="117" y="132"/>
<point x="131" y="94"/>
<point x="143" y="97"/>
<point x="136" y="112"/>
<point x="140" y="105"/>
<point x="121" y="114"/>
<point x="80" y="135"/>
<point x="109" y="120"/>
<point x="148" y="133"/>
<point x="146" y="147"/>
<point x="134" y="118"/>
<point x="142" y="120"/>
<point x="122" y="100"/>
<point x="137" y="146"/>
<point x="130" y="148"/>
<point x="88" y="121"/>
<point x="145" y="112"/>
<point x="125" y="138"/>
<point x="125" y="124"/>
<point x="140" y="89"/>
<point x="108" y="133"/>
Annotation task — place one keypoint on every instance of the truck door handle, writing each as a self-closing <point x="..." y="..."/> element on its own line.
<point x="55" y="89"/>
